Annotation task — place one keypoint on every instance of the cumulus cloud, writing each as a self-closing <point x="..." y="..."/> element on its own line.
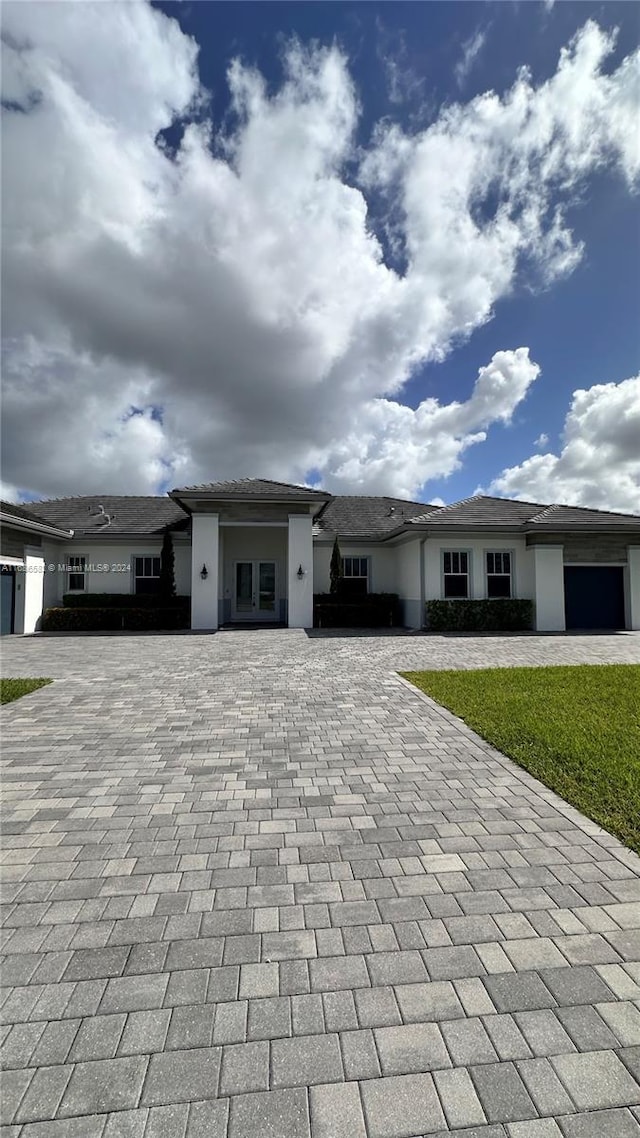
<point x="391" y="442"/>
<point x="599" y="464"/>
<point x="542" y="440"/>
<point x="226" y="309"/>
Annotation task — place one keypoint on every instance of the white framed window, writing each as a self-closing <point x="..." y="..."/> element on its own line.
<point x="455" y="574"/>
<point x="498" y="568"/>
<point x="355" y="574"/>
<point x="146" y="574"/>
<point x="76" y="574"/>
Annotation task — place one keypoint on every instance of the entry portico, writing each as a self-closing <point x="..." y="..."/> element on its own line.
<point x="251" y="552"/>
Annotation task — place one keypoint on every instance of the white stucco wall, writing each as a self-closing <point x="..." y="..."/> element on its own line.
<point x="523" y="585"/>
<point x="549" y="588"/>
<point x="382" y="565"/>
<point x="117" y="557"/>
<point x="300" y="553"/>
<point x="33" y="588"/>
<point x="408" y="584"/>
<point x="205" y="551"/>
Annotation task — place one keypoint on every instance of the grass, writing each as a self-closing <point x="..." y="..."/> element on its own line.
<point x="13" y="689"/>
<point x="575" y="728"/>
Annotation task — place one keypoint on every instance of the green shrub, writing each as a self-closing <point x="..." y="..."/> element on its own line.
<point x="85" y="619"/>
<point x="495" y="615"/>
<point x="371" y="610"/>
<point x="122" y="601"/>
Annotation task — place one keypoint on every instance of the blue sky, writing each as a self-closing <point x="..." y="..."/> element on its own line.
<point x="406" y="66"/>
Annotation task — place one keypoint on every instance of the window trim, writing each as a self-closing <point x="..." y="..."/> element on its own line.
<point x="469" y="574"/>
<point x="75" y="572"/>
<point x="511" y="574"/>
<point x="134" y="575"/>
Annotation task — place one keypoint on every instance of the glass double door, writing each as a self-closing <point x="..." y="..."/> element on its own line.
<point x="255" y="595"/>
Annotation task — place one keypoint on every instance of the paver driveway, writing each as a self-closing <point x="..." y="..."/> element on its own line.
<point x="257" y="886"/>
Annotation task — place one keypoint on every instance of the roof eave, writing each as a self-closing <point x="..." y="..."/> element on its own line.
<point x="34" y="527"/>
<point x="581" y="527"/>
<point x="185" y="497"/>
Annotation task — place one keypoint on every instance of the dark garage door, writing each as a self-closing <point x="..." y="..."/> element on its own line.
<point x="594" y="596"/>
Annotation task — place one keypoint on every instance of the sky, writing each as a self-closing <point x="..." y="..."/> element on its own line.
<point x="382" y="248"/>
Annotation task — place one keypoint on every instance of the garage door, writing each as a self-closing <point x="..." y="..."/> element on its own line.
<point x="594" y="596"/>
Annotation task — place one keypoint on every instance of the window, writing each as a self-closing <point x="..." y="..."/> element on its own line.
<point x="146" y="572"/>
<point x="77" y="574"/>
<point x="498" y="574"/>
<point x="455" y="566"/>
<point x="355" y="575"/>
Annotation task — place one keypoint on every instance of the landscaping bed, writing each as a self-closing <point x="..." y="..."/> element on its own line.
<point x="370" y="610"/>
<point x="576" y="728"/>
<point x="115" y="612"/>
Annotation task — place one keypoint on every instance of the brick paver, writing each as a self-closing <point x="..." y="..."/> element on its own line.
<point x="256" y="886"/>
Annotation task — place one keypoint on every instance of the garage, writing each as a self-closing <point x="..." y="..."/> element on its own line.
<point x="594" y="596"/>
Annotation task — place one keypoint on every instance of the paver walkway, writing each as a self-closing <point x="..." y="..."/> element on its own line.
<point x="259" y="887"/>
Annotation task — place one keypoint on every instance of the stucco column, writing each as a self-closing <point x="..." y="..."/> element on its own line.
<point x="300" y="589"/>
<point x="33" y="588"/>
<point x="549" y="588"/>
<point x="204" y="551"/>
<point x="633" y="568"/>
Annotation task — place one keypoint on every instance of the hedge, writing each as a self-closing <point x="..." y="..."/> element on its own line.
<point x="123" y="601"/>
<point x="371" y="610"/>
<point x="496" y="615"/>
<point x="85" y="619"/>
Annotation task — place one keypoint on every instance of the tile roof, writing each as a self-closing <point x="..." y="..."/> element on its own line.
<point x="365" y="516"/>
<point x="254" y="487"/>
<point x="143" y="515"/>
<point x="576" y="516"/>
<point x="481" y="510"/>
<point x="24" y="514"/>
<point x="507" y="513"/>
<point x="358" y="516"/>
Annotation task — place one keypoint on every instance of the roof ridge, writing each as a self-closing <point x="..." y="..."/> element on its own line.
<point x="448" y="506"/>
<point x="545" y="513"/>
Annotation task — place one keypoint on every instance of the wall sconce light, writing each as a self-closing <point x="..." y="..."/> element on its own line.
<point x="300" y="573"/>
<point x="204" y="573"/>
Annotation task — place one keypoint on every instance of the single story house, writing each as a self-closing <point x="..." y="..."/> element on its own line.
<point x="256" y="550"/>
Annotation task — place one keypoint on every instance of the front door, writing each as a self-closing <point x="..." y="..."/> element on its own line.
<point x="255" y="595"/>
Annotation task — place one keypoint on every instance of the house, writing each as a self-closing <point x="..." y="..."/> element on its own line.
<point x="257" y="550"/>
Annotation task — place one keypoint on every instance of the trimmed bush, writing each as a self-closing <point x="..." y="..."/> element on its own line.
<point x="122" y="601"/>
<point x="111" y="619"/>
<point x="495" y="615"/>
<point x="371" y="610"/>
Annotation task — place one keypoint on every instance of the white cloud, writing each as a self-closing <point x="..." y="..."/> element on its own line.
<point x="394" y="445"/>
<point x="599" y="464"/>
<point x="235" y="295"/>
<point x="542" y="440"/>
<point x="471" y="49"/>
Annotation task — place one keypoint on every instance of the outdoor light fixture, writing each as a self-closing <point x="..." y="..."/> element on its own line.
<point x="204" y="573"/>
<point x="300" y="572"/>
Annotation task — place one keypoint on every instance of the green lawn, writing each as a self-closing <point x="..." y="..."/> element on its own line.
<point x="577" y="729"/>
<point x="13" y="689"/>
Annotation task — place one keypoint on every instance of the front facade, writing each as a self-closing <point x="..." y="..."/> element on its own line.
<point x="257" y="551"/>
